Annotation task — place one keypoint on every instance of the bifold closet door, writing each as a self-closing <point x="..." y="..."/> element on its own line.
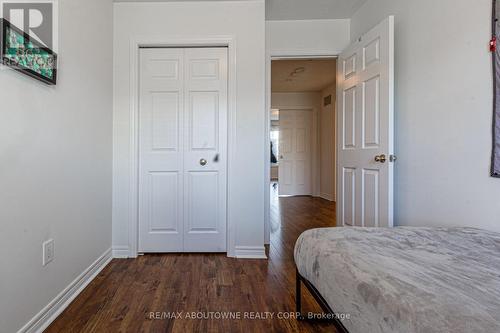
<point x="183" y="150"/>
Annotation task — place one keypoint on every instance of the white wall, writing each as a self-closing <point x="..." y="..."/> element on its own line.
<point x="307" y="37"/>
<point x="443" y="107"/>
<point x="311" y="101"/>
<point x="55" y="165"/>
<point x="296" y="99"/>
<point x="245" y="21"/>
<point x="327" y="145"/>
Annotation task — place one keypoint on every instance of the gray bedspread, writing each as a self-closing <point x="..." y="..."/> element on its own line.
<point x="406" y="279"/>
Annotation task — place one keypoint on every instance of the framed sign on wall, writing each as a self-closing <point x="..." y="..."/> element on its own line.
<point x="26" y="55"/>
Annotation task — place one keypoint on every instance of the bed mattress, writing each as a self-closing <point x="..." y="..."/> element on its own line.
<point x="406" y="279"/>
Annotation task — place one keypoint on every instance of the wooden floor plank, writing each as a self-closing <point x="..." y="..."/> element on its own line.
<point x="124" y="294"/>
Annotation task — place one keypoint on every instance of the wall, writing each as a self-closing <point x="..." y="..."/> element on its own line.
<point x="305" y="100"/>
<point x="327" y="145"/>
<point x="244" y="20"/>
<point x="307" y="37"/>
<point x="55" y="165"/>
<point x="443" y="107"/>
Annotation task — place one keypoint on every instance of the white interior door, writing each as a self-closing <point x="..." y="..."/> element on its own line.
<point x="183" y="148"/>
<point x="365" y="89"/>
<point x="295" y="160"/>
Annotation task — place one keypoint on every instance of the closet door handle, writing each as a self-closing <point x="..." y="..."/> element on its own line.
<point x="203" y="162"/>
<point x="380" y="158"/>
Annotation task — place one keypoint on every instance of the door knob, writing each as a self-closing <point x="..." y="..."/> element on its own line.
<point x="380" y="158"/>
<point x="203" y="162"/>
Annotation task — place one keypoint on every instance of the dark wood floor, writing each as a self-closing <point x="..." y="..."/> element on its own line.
<point x="126" y="292"/>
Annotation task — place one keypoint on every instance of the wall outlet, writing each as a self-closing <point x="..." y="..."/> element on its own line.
<point x="48" y="251"/>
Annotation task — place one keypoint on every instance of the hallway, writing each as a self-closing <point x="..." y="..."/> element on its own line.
<point x="150" y="293"/>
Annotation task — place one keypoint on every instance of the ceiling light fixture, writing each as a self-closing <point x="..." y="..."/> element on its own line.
<point x="299" y="70"/>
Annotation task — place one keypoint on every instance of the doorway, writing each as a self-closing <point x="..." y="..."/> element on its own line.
<point x="302" y="128"/>
<point x="364" y="158"/>
<point x="183" y="149"/>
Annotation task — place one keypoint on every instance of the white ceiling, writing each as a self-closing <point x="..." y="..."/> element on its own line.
<point x="302" y="75"/>
<point x="311" y="9"/>
<point x="300" y="9"/>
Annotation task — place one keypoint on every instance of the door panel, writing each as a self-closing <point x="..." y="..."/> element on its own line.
<point x="370" y="205"/>
<point x="163" y="212"/>
<point x="349" y="116"/>
<point x="295" y="152"/>
<point x="206" y="132"/>
<point x="202" y="217"/>
<point x="203" y="129"/>
<point x="160" y="150"/>
<point x="365" y="96"/>
<point x="348" y="196"/>
<point x="165" y="120"/>
<point x="371" y="115"/>
<point x="182" y="121"/>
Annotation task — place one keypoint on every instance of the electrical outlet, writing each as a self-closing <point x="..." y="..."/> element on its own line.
<point x="48" y="251"/>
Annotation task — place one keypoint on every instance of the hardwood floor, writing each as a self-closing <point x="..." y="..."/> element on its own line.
<point x="125" y="294"/>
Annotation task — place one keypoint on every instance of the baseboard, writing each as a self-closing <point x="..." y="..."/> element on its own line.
<point x="50" y="312"/>
<point x="121" y="252"/>
<point x="327" y="196"/>
<point x="250" y="252"/>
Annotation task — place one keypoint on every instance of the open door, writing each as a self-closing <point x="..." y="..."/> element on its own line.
<point x="365" y="95"/>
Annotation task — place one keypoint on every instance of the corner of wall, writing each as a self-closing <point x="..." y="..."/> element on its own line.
<point x="50" y="312"/>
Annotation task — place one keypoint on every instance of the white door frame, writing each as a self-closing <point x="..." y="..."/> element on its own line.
<point x="136" y="43"/>
<point x="270" y="56"/>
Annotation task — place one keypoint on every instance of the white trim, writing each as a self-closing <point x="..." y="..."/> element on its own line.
<point x="327" y="196"/>
<point x="136" y="42"/>
<point x="267" y="146"/>
<point x="250" y="252"/>
<point x="304" y="54"/>
<point x="50" y="312"/>
<point x="121" y="252"/>
<point x="183" y="2"/>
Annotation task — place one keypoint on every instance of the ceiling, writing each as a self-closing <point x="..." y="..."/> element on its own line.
<point x="300" y="9"/>
<point x="302" y="75"/>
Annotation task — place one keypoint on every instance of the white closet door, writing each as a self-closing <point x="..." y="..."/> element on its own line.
<point x="161" y="181"/>
<point x="205" y="158"/>
<point x="183" y="124"/>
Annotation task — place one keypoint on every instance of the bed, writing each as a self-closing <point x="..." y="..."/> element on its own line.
<point x="403" y="279"/>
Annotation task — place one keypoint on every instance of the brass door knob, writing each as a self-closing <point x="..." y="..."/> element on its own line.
<point x="380" y="158"/>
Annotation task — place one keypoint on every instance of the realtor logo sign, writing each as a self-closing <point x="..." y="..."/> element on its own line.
<point x="37" y="18"/>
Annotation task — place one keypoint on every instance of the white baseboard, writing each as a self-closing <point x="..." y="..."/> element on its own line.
<point x="121" y="252"/>
<point x="50" y="312"/>
<point x="250" y="252"/>
<point x="327" y="196"/>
